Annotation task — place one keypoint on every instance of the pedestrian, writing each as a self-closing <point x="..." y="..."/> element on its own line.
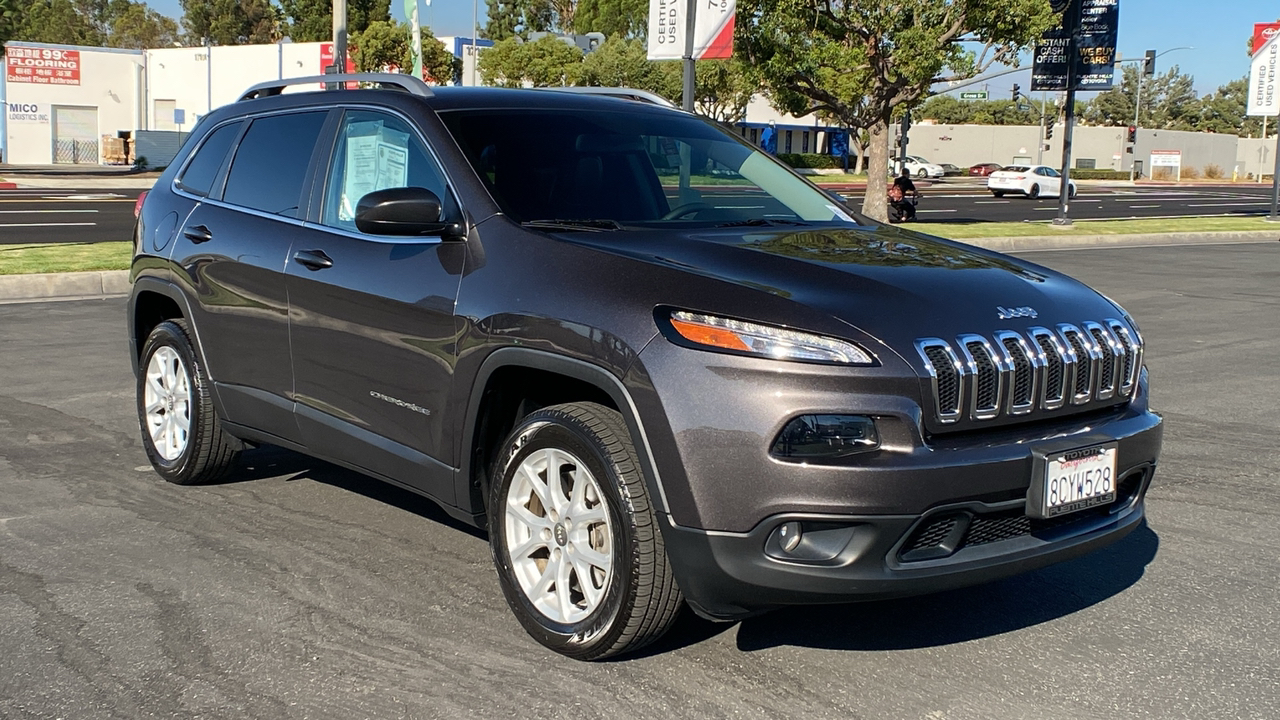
<point x="900" y="208"/>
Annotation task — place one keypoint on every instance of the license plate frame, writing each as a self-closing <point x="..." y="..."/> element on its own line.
<point x="1070" y="480"/>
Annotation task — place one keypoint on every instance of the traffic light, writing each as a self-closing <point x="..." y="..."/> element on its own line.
<point x="1133" y="134"/>
<point x="1017" y="90"/>
<point x="1149" y="64"/>
<point x="1048" y="132"/>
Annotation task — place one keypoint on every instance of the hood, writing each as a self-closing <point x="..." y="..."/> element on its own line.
<point x="890" y="283"/>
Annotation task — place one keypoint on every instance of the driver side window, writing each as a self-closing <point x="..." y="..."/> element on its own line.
<point x="377" y="151"/>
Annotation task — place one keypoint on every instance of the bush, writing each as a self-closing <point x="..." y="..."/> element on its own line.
<point x="1190" y="173"/>
<point x="812" y="160"/>
<point x="1212" y="171"/>
<point x="1098" y="174"/>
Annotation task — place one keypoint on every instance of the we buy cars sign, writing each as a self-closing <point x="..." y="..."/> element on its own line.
<point x="1264" y="100"/>
<point x="42" y="66"/>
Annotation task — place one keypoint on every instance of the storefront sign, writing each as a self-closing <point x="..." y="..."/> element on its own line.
<point x="327" y="59"/>
<point x="42" y="66"/>
<point x="28" y="112"/>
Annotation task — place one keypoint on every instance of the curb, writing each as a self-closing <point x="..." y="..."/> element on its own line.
<point x="1063" y="242"/>
<point x="55" y="286"/>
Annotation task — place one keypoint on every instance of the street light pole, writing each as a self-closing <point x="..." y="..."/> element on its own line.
<point x="1137" y="103"/>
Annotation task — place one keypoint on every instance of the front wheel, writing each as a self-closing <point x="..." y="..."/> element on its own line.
<point x="574" y="536"/>
<point x="922" y="173"/>
<point x="181" y="430"/>
<point x="1071" y="192"/>
<point x="1035" y="192"/>
<point x="997" y="193"/>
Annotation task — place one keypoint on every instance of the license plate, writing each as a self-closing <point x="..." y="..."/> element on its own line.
<point x="1077" y="480"/>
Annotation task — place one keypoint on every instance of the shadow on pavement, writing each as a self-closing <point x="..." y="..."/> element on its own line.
<point x="960" y="615"/>
<point x="269" y="461"/>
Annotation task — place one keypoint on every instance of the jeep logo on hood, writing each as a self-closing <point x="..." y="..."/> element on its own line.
<point x="1004" y="313"/>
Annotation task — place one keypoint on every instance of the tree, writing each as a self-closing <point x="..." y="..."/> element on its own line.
<point x="231" y="22"/>
<point x="623" y="62"/>
<point x="8" y="21"/>
<point x="384" y="45"/>
<point x="614" y="18"/>
<point x="1223" y="111"/>
<point x="516" y="18"/>
<point x="53" y="21"/>
<point x="548" y="62"/>
<point x="135" y="25"/>
<point x="107" y="23"/>
<point x="312" y="20"/>
<point x="859" y="60"/>
<point x="1168" y="102"/>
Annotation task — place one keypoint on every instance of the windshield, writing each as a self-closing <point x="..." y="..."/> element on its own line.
<point x="1015" y="168"/>
<point x="645" y="168"/>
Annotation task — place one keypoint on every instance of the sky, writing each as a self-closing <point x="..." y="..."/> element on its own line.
<point x="1217" y="30"/>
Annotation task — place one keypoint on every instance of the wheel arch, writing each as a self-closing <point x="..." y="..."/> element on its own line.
<point x="151" y="302"/>
<point x="473" y="476"/>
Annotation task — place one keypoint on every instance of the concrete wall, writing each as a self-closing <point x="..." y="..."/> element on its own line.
<point x="110" y="81"/>
<point x="966" y="145"/>
<point x="1256" y="157"/>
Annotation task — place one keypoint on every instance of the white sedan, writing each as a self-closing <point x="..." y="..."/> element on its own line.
<point x="920" y="167"/>
<point x="1032" y="181"/>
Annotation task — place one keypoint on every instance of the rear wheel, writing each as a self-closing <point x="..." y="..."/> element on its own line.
<point x="998" y="193"/>
<point x="181" y="431"/>
<point x="1034" y="192"/>
<point x="574" y="536"/>
<point x="1071" y="192"/>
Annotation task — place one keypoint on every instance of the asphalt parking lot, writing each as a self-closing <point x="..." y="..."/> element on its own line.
<point x="303" y="591"/>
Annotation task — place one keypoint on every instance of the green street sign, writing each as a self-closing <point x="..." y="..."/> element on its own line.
<point x="973" y="95"/>
<point x="1024" y="108"/>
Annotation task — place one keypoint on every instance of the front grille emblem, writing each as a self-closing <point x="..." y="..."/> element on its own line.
<point x="1004" y="313"/>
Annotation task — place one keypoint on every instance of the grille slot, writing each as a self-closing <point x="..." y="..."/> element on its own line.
<point x="1012" y="373"/>
<point x="987" y="389"/>
<point x="932" y="534"/>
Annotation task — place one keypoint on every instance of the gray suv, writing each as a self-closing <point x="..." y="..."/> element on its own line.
<point x="659" y="367"/>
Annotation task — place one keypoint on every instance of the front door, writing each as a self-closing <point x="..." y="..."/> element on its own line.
<point x="372" y="318"/>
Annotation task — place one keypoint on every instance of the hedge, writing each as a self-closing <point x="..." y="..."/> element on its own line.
<point x="811" y="160"/>
<point x="1098" y="174"/>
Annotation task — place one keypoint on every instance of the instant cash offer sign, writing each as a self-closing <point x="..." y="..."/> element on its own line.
<point x="1263" y="99"/>
<point x="712" y="33"/>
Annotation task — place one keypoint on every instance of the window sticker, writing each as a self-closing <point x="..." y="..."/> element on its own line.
<point x="377" y="158"/>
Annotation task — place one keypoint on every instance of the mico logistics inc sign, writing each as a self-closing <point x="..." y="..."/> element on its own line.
<point x="27" y="112"/>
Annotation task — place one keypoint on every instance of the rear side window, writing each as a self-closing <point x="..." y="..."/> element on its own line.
<point x="270" y="165"/>
<point x="203" y="168"/>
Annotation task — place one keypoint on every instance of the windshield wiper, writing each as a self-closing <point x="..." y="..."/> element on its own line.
<point x="591" y="225"/>
<point x="762" y="222"/>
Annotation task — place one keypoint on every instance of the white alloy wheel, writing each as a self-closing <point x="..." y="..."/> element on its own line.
<point x="558" y="535"/>
<point x="167" y="402"/>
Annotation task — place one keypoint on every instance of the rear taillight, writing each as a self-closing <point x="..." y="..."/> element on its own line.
<point x="137" y="205"/>
<point x="1021" y="177"/>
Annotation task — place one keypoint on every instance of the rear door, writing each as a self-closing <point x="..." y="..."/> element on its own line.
<point x="230" y="255"/>
<point x="372" y="317"/>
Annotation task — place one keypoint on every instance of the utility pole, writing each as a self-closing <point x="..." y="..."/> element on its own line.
<point x="1072" y="24"/>
<point x="339" y="40"/>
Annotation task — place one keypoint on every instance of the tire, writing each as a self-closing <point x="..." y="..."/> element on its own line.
<point x="1035" y="192"/>
<point x="998" y="193"/>
<point x="202" y="453"/>
<point x="922" y="173"/>
<point x="636" y="597"/>
<point x="1071" y="192"/>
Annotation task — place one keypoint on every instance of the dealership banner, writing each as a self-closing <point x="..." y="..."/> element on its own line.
<point x="1262" y="72"/>
<point x="712" y="34"/>
<point x="1097" y="23"/>
<point x="42" y="66"/>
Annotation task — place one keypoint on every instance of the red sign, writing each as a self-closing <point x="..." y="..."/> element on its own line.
<point x="43" y="66"/>
<point x="326" y="59"/>
<point x="1262" y="32"/>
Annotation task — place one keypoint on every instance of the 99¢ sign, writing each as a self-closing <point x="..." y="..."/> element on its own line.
<point x="43" y="66"/>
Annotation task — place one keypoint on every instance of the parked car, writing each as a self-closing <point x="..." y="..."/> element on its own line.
<point x="983" y="169"/>
<point x="505" y="301"/>
<point x="948" y="169"/>
<point x="919" y="167"/>
<point x="1033" y="181"/>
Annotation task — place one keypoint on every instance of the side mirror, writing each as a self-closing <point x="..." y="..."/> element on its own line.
<point x="406" y="211"/>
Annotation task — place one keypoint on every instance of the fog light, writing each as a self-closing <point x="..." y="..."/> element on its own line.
<point x="789" y="536"/>
<point x="826" y="437"/>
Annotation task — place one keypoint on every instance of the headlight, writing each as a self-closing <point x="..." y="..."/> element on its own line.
<point x="709" y="332"/>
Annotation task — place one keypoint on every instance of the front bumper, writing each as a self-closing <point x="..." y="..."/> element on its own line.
<point x="727" y="576"/>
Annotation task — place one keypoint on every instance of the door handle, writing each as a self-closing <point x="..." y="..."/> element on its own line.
<point x="198" y="234"/>
<point x="313" y="259"/>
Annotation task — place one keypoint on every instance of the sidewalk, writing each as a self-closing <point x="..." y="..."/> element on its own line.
<point x="75" y="176"/>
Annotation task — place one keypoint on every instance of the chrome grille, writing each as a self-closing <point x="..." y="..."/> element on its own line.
<point x="1011" y="373"/>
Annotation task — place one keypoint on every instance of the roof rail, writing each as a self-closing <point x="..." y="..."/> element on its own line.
<point x="621" y="92"/>
<point x="407" y="83"/>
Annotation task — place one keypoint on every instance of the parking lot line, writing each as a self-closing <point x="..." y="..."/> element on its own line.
<point x="67" y="224"/>
<point x="25" y="212"/>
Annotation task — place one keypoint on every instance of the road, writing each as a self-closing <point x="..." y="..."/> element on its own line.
<point x="29" y="216"/>
<point x="299" y="590"/>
